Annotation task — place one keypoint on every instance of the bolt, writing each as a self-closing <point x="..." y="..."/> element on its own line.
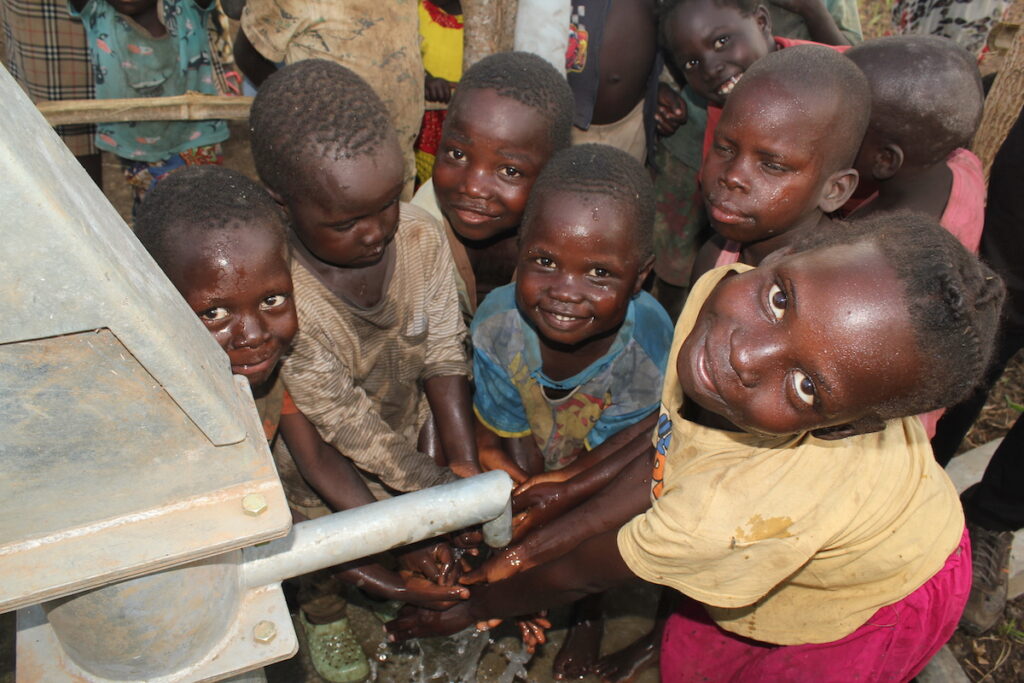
<point x="254" y="504"/>
<point x="264" y="632"/>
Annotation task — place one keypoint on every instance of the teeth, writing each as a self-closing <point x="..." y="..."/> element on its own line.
<point x="729" y="85"/>
<point x="563" y="318"/>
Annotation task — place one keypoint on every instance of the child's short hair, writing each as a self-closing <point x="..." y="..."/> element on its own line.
<point x="954" y="302"/>
<point x="202" y="200"/>
<point x="527" y="79"/>
<point x="666" y="7"/>
<point x="589" y="170"/>
<point x="926" y="94"/>
<point x="816" y="71"/>
<point x="313" y="109"/>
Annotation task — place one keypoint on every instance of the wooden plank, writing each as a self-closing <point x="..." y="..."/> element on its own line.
<point x="188" y="107"/>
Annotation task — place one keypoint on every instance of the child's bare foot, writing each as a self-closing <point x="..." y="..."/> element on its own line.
<point x="623" y="666"/>
<point x="582" y="645"/>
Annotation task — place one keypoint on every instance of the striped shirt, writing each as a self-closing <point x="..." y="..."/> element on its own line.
<point x="358" y="374"/>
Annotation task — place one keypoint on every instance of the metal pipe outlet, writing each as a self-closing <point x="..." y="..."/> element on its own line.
<point x="370" y="529"/>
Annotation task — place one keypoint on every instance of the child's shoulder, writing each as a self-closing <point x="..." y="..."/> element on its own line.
<point x="418" y="229"/>
<point x="652" y="328"/>
<point x="501" y="300"/>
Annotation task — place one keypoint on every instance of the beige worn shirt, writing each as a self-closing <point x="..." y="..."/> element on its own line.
<point x="358" y="374"/>
<point x="465" y="281"/>
<point x="791" y="539"/>
<point x="377" y="39"/>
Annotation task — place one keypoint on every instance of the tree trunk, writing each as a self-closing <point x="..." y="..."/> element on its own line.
<point x="489" y="28"/>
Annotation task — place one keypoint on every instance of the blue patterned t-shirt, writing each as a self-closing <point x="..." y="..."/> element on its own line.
<point x="129" y="62"/>
<point x="616" y="391"/>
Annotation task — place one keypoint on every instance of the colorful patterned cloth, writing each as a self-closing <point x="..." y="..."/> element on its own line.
<point x="441" y="47"/>
<point x="44" y="50"/>
<point x="129" y="62"/>
<point x="967" y="22"/>
<point x="144" y="175"/>
<point x="611" y="394"/>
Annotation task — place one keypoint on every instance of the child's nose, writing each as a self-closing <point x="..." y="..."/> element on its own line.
<point x="250" y="331"/>
<point x="474" y="183"/>
<point x="753" y="355"/>
<point x="733" y="175"/>
<point x="565" y="289"/>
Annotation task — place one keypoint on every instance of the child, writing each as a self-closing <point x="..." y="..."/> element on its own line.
<point x="377" y="40"/>
<point x="574" y="351"/>
<point x="441" y="47"/>
<point x="806" y="524"/>
<point x="379" y="355"/>
<point x="914" y="154"/>
<point x="511" y="112"/>
<point x="152" y="48"/>
<point x="783" y="153"/>
<point x="712" y="43"/>
<point x="221" y="240"/>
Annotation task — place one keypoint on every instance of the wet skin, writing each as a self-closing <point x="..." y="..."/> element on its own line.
<point x="714" y="45"/>
<point x="239" y="284"/>
<point x="345" y="220"/>
<point x="578" y="270"/>
<point x="805" y="341"/>
<point x="770" y="168"/>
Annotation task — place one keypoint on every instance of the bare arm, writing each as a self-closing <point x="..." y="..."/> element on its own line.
<point x="450" y="402"/>
<point x="254" y="65"/>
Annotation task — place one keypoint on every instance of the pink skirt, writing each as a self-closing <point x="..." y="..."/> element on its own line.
<point x="894" y="645"/>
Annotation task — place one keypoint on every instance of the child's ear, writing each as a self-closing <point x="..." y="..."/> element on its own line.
<point x="642" y="274"/>
<point x="276" y="196"/>
<point x="888" y="161"/>
<point x="838" y="189"/>
<point x="865" y="425"/>
<point x="764" y="22"/>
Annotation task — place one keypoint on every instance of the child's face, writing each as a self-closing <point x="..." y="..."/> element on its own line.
<point x="578" y="268"/>
<point x="805" y="341"/>
<point x="765" y="173"/>
<point x="714" y="45"/>
<point x="240" y="286"/>
<point x="490" y="154"/>
<point x="348" y="213"/>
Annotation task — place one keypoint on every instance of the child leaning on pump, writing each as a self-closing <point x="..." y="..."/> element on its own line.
<point x="574" y="351"/>
<point x="795" y="506"/>
<point x="221" y="240"/>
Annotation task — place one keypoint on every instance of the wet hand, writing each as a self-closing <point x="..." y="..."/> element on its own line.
<point x="421" y="623"/>
<point x="555" y="476"/>
<point x="533" y="630"/>
<point x="495" y="459"/>
<point x="418" y="591"/>
<point x="671" y="110"/>
<point x="465" y="469"/>
<point x="506" y="563"/>
<point x="436" y="562"/>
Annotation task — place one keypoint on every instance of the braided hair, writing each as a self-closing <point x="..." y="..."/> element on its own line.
<point x="313" y="109"/>
<point x="591" y="171"/>
<point x="953" y="299"/>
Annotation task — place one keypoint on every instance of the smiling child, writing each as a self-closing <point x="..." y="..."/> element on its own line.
<point x="783" y="153"/>
<point x="799" y="512"/>
<point x="510" y="113"/>
<point x="574" y="351"/>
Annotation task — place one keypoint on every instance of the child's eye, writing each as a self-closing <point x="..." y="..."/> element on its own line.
<point x="600" y="272"/>
<point x="775" y="167"/>
<point x="544" y="262"/>
<point x="511" y="172"/>
<point x="691" y="64"/>
<point x="721" y="42"/>
<point x="273" y="301"/>
<point x="456" y="154"/>
<point x="777" y="301"/>
<point x="214" y="314"/>
<point x="804" y="387"/>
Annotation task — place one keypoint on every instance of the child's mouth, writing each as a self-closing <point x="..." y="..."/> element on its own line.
<point x="726" y="88"/>
<point x="563" y="321"/>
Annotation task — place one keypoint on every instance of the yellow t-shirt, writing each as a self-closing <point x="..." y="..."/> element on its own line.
<point x="789" y="539"/>
<point x="441" y="42"/>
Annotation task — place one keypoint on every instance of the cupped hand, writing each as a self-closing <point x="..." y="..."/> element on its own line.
<point x="436" y="562"/>
<point x="502" y="565"/>
<point x="421" y="623"/>
<point x="418" y="591"/>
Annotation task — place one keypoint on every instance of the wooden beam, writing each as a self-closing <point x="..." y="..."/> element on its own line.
<point x="490" y="27"/>
<point x="188" y="107"/>
<point x="1006" y="98"/>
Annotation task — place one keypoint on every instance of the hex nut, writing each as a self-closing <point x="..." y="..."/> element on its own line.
<point x="254" y="504"/>
<point x="264" y="632"/>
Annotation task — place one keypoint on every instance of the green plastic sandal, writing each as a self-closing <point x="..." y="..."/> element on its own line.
<point x="334" y="651"/>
